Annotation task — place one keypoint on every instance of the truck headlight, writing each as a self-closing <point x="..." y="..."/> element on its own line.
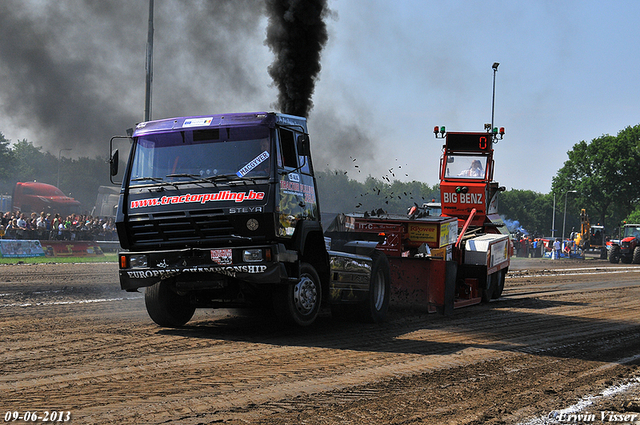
<point x="138" y="261"/>
<point x="252" y="255"/>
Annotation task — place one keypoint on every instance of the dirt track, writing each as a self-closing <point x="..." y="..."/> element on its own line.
<point x="557" y="339"/>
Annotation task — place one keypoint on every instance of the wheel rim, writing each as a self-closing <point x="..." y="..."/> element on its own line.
<point x="378" y="289"/>
<point x="305" y="295"/>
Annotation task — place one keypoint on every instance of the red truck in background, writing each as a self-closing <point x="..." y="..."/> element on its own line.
<point x="37" y="197"/>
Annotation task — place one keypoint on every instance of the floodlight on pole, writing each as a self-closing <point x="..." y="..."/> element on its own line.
<point x="493" y="100"/>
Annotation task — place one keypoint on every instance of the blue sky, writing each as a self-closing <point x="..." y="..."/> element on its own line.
<point x="569" y="71"/>
<point x="73" y="76"/>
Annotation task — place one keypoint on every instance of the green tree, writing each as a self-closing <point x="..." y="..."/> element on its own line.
<point x="30" y="163"/>
<point x="6" y="159"/>
<point x="634" y="217"/>
<point x="340" y="194"/>
<point x="604" y="173"/>
<point x="533" y="210"/>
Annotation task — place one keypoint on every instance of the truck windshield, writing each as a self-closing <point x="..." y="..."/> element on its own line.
<point x="466" y="166"/>
<point x="201" y="154"/>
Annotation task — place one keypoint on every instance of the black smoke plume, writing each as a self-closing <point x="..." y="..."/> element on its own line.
<point x="73" y="71"/>
<point x="296" y="34"/>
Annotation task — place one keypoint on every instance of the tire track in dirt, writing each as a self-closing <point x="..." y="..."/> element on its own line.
<point x="114" y="366"/>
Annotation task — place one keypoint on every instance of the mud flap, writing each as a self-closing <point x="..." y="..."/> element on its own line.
<point x="451" y="274"/>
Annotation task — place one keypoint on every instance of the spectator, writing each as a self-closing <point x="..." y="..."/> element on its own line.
<point x="60" y="230"/>
<point x="5" y="219"/>
<point x="22" y="223"/>
<point x="41" y="225"/>
<point x="78" y="227"/>
<point x="11" y="229"/>
<point x="557" y="247"/>
<point x="21" y="227"/>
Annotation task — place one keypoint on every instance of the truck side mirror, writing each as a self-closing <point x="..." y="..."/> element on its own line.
<point x="113" y="163"/>
<point x="303" y="144"/>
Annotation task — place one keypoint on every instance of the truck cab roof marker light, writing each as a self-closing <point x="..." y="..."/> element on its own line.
<point x="439" y="131"/>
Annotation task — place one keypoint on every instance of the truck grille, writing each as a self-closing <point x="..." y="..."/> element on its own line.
<point x="174" y="228"/>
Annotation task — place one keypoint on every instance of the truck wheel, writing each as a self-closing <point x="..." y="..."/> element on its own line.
<point x="166" y="307"/>
<point x="500" y="278"/>
<point x="489" y="288"/>
<point x="636" y="255"/>
<point x="300" y="303"/>
<point x="614" y="254"/>
<point x="375" y="308"/>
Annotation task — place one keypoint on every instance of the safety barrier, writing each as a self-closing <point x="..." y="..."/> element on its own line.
<point x="18" y="248"/>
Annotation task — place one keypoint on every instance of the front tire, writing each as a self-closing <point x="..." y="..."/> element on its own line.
<point x="614" y="254"/>
<point x="375" y="307"/>
<point x="166" y="307"/>
<point x="300" y="303"/>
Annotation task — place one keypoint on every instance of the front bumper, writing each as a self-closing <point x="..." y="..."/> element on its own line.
<point x="198" y="269"/>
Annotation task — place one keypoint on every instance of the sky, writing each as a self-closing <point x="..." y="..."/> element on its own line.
<point x="73" y="75"/>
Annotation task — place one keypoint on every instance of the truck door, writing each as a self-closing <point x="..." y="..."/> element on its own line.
<point x="297" y="191"/>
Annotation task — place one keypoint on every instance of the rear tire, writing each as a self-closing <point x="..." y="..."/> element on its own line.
<point x="374" y="309"/>
<point x="166" y="307"/>
<point x="501" y="276"/>
<point x="489" y="288"/>
<point x="636" y="255"/>
<point x="300" y="303"/>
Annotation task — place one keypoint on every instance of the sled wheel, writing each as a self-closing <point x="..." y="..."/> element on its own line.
<point x="375" y="307"/>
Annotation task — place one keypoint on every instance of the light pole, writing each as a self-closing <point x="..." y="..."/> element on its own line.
<point x="553" y="220"/>
<point x="493" y="100"/>
<point x="60" y="153"/>
<point x="564" y="220"/>
<point x="149" y="66"/>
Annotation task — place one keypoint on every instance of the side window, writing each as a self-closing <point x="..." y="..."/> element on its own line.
<point x="288" y="148"/>
<point x="288" y="152"/>
<point x="305" y="163"/>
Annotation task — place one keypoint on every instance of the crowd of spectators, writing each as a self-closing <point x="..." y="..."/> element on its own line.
<point x="44" y="226"/>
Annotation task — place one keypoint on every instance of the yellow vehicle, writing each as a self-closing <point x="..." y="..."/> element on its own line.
<point x="591" y="237"/>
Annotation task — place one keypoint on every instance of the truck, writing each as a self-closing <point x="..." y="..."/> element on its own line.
<point x="627" y="248"/>
<point x="28" y="197"/>
<point x="223" y="211"/>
